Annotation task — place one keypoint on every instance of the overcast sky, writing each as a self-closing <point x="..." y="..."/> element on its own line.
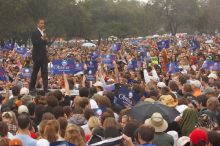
<point x="143" y="0"/>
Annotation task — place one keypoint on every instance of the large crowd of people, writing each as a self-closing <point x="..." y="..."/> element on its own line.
<point x="81" y="111"/>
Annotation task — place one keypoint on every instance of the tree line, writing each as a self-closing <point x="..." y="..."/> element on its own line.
<point x="102" y="18"/>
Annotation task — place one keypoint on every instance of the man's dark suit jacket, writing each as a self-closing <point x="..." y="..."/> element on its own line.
<point x="39" y="51"/>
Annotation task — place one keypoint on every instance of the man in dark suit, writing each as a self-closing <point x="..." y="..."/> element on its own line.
<point x="39" y="56"/>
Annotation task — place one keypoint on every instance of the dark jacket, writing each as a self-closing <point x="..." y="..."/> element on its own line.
<point x="39" y="51"/>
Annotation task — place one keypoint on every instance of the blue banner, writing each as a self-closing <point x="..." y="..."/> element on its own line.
<point x="60" y="66"/>
<point x="164" y="44"/>
<point x="132" y="65"/>
<point x="194" y="44"/>
<point x="21" y="50"/>
<point x="90" y="75"/>
<point x="173" y="67"/>
<point x="124" y="97"/>
<point x="25" y="73"/>
<point x="78" y="67"/>
<point x="61" y="143"/>
<point x="115" y="47"/>
<point x="2" y="74"/>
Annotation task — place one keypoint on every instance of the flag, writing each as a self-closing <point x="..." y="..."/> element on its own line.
<point x="60" y="66"/>
<point x="132" y="64"/>
<point x="194" y="44"/>
<point x="61" y="143"/>
<point x="164" y="44"/>
<point x="124" y="97"/>
<point x="115" y="47"/>
<point x="90" y="75"/>
<point x="2" y="74"/>
<point x="26" y="73"/>
<point x="207" y="64"/>
<point x="173" y="67"/>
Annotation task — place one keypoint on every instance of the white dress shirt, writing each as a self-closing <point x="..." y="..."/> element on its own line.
<point x="41" y="31"/>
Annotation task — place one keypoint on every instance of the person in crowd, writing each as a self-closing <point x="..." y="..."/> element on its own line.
<point x="214" y="138"/>
<point x="188" y="121"/>
<point x="23" y="132"/>
<point x="73" y="135"/>
<point x="84" y="109"/>
<point x="161" y="138"/>
<point x="198" y="137"/>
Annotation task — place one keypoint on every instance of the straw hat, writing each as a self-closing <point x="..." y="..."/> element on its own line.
<point x="168" y="100"/>
<point x="158" y="122"/>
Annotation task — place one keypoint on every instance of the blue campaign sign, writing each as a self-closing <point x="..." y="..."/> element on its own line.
<point x="26" y="73"/>
<point x="124" y="97"/>
<point x="8" y="47"/>
<point x="173" y="67"/>
<point x="2" y="74"/>
<point x="164" y="44"/>
<point x="143" y="53"/>
<point x="135" y="42"/>
<point x="115" y="47"/>
<point x="141" y="49"/>
<point x="94" y="55"/>
<point x="92" y="65"/>
<point x="78" y="67"/>
<point x="90" y="75"/>
<point x="21" y="50"/>
<point x="216" y="66"/>
<point x="108" y="59"/>
<point x="27" y="54"/>
<point x="194" y="44"/>
<point x="132" y="64"/>
<point x="207" y="64"/>
<point x="60" y="66"/>
<point x="61" y="143"/>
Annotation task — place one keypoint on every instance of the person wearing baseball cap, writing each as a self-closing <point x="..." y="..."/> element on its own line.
<point x="198" y="137"/>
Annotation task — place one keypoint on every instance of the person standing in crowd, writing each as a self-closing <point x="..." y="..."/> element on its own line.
<point x="23" y="132"/>
<point x="39" y="55"/>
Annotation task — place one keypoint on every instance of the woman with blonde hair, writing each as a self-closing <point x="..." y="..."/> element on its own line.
<point x="74" y="136"/>
<point x="93" y="123"/>
<point x="10" y="119"/>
